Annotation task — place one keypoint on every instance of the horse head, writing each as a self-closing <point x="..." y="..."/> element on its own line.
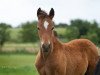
<point x="46" y="29"/>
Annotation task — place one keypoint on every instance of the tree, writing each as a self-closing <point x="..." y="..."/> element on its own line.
<point x="4" y="34"/>
<point x="72" y="33"/>
<point x="29" y="32"/>
<point x="92" y="33"/>
<point x="98" y="34"/>
<point x="82" y="25"/>
<point x="93" y="36"/>
<point x="89" y="30"/>
<point x="61" y="25"/>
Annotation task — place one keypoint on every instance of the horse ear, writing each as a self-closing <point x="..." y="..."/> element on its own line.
<point x="51" y="13"/>
<point x="38" y="12"/>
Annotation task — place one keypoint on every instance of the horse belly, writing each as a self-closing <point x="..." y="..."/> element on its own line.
<point x="77" y="70"/>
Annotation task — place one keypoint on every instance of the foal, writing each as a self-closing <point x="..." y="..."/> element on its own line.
<point x="77" y="57"/>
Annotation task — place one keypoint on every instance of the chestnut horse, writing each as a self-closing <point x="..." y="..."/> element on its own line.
<point x="77" y="57"/>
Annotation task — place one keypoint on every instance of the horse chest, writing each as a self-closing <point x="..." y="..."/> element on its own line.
<point x="51" y="69"/>
<point x="51" y="66"/>
<point x="45" y="69"/>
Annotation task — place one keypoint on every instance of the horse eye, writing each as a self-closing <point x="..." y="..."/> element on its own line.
<point x="52" y="28"/>
<point x="38" y="28"/>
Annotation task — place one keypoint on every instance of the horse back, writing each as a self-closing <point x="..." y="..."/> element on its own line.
<point x="83" y="45"/>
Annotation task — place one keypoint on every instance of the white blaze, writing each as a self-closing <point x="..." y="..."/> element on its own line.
<point x="46" y="24"/>
<point x="42" y="43"/>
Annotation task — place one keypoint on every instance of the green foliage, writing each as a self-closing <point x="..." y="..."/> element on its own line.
<point x="4" y="33"/>
<point x="79" y="29"/>
<point x="98" y="34"/>
<point x="82" y="25"/>
<point x="61" y="25"/>
<point x="86" y="29"/>
<point x="72" y="33"/>
<point x="61" y="32"/>
<point x="93" y="34"/>
<point x="15" y="35"/>
<point x="29" y="32"/>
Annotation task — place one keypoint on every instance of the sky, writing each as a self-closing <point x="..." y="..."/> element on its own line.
<point x="15" y="12"/>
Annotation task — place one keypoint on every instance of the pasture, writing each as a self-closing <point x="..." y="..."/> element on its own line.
<point x="17" y="65"/>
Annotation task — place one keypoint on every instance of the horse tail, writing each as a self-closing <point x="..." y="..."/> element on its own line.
<point x="97" y="69"/>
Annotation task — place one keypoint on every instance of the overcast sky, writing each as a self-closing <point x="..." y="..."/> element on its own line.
<point x="15" y="12"/>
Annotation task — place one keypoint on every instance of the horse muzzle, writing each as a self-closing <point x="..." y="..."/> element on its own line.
<point x="46" y="47"/>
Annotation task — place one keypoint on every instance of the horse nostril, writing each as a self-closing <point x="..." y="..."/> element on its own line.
<point x="46" y="47"/>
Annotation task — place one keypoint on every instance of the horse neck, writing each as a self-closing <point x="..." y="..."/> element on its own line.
<point x="56" y="43"/>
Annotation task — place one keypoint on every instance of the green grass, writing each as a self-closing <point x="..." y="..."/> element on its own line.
<point x="17" y="65"/>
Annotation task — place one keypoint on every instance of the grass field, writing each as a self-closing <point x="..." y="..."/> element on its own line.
<point x="17" y="65"/>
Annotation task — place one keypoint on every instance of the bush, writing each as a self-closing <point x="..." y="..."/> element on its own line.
<point x="29" y="32"/>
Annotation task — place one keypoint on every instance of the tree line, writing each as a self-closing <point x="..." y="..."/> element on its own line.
<point x="76" y="29"/>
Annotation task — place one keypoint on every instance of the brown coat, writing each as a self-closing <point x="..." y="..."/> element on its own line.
<point x="77" y="57"/>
